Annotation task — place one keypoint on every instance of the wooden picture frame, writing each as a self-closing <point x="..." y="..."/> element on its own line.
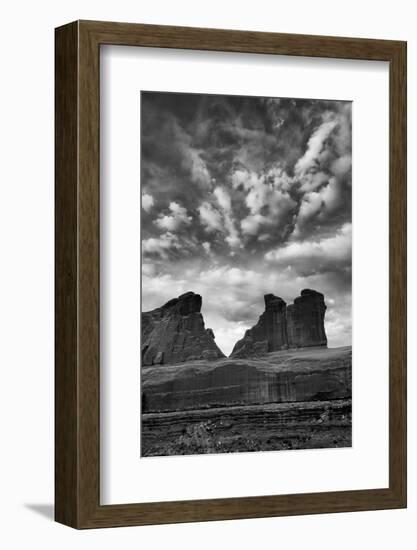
<point x="77" y="374"/>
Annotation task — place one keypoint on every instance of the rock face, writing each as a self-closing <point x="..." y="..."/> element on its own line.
<point x="305" y="320"/>
<point x="175" y="333"/>
<point x="269" y="333"/>
<point x="308" y="374"/>
<point x="299" y="325"/>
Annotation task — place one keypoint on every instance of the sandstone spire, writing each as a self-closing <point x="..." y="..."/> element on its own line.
<point x="305" y="320"/>
<point x="298" y="325"/>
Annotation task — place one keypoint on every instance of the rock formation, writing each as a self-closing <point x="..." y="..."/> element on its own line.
<point x="305" y="320"/>
<point x="308" y="374"/>
<point x="175" y="333"/>
<point x="269" y="333"/>
<point x="299" y="325"/>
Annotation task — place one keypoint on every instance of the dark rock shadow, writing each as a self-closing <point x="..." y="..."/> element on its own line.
<point x="45" y="510"/>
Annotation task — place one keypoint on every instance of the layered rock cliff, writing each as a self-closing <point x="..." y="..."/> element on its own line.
<point x="308" y="374"/>
<point x="175" y="333"/>
<point x="269" y="333"/>
<point x="298" y="325"/>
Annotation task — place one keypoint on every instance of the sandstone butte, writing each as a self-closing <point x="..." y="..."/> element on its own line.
<point x="280" y="327"/>
<point x="176" y="333"/>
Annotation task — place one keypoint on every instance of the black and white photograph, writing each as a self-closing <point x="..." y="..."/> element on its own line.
<point x="246" y="268"/>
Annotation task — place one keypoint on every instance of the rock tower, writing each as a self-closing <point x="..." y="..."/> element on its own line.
<point x="305" y="320"/>
<point x="298" y="325"/>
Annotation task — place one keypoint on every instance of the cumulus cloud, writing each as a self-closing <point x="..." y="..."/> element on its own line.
<point x="160" y="245"/>
<point x="308" y="257"/>
<point x="210" y="217"/>
<point x="315" y="147"/>
<point x="147" y="202"/>
<point x="219" y="217"/>
<point x="342" y="165"/>
<point x="267" y="199"/>
<point x="223" y="198"/>
<point x="324" y="174"/>
<point x="174" y="220"/>
<point x="319" y="205"/>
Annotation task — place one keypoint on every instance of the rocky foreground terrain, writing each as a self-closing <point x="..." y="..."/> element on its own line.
<point x="271" y="427"/>
<point x="287" y="399"/>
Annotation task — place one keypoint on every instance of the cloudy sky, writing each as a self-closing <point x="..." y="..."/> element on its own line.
<point x="243" y="196"/>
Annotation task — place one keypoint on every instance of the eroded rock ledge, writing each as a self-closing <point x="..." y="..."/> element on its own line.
<point x="296" y="375"/>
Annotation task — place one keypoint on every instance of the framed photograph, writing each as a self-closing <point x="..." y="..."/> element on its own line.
<point x="230" y="274"/>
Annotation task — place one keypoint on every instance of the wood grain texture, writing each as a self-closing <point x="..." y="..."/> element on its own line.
<point x="66" y="237"/>
<point x="78" y="286"/>
<point x="398" y="274"/>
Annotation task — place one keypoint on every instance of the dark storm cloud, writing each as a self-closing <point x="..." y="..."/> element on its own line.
<point x="244" y="195"/>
